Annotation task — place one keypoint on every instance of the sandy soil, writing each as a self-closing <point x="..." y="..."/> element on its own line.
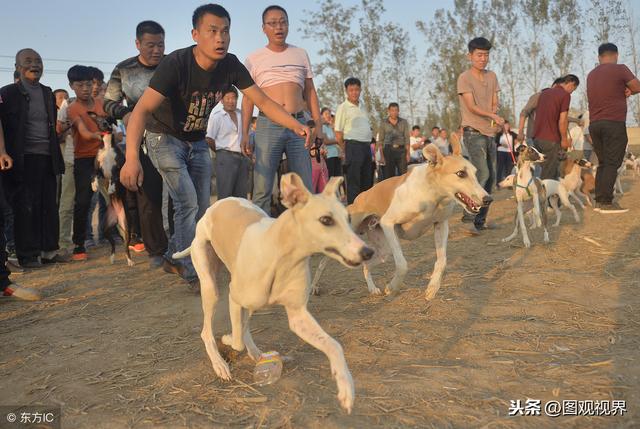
<point x="120" y="347"/>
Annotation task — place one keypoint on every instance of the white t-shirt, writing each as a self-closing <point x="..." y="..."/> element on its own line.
<point x="506" y="143"/>
<point x="269" y="68"/>
<point x="224" y="131"/>
<point x="67" y="150"/>
<point x="415" y="154"/>
<point x="353" y="121"/>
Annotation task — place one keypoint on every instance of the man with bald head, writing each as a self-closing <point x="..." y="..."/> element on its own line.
<point x="28" y="115"/>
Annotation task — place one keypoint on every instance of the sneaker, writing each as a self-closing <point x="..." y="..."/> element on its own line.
<point x="138" y="247"/>
<point x="90" y="243"/>
<point x="32" y="262"/>
<point x="488" y="226"/>
<point x="155" y="261"/>
<point x="473" y="230"/>
<point x="79" y="254"/>
<point x="23" y="293"/>
<point x="57" y="259"/>
<point x="171" y="268"/>
<point x="14" y="267"/>
<point x="611" y="208"/>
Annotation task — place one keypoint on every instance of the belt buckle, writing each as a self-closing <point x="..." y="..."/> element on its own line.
<point x="396" y="146"/>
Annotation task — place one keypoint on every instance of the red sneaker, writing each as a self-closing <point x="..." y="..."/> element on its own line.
<point x="79" y="254"/>
<point x="138" y="247"/>
<point x="23" y="293"/>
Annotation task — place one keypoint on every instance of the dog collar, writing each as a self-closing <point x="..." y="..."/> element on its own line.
<point x="525" y="187"/>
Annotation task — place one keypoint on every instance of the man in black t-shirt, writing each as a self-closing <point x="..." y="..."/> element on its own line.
<point x="186" y="86"/>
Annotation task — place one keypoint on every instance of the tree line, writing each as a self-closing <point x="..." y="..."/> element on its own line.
<point x="534" y="41"/>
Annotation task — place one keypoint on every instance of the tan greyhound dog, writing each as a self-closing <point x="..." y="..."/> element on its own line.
<point x="408" y="206"/>
<point x="269" y="264"/>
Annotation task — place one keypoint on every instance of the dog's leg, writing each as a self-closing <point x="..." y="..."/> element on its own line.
<point x="253" y="351"/>
<point x="578" y="201"/>
<point x="401" y="263"/>
<point x="440" y="234"/>
<point x="307" y="328"/>
<point x="579" y="195"/>
<point x="206" y="262"/>
<point x="371" y="286"/>
<point x="564" y="197"/>
<point x="235" y="340"/>
<point x="315" y="289"/>
<point x="121" y="211"/>
<point x="515" y="230"/>
<point x="523" y="227"/>
<point x="554" y="204"/>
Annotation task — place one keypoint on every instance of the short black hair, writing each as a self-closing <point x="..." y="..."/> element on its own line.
<point x="352" y="81"/>
<point x="96" y="73"/>
<point x="572" y="78"/>
<point x="273" y="7"/>
<point x="607" y="48"/>
<point x="16" y="74"/>
<point x="231" y="89"/>
<point x="324" y="109"/>
<point x="79" y="73"/>
<point x="558" y="81"/>
<point x="415" y="127"/>
<point x="213" y="9"/>
<point x="60" y="90"/>
<point x="254" y="119"/>
<point x="479" y="43"/>
<point x="148" y="27"/>
<point x="443" y="129"/>
<point x="24" y="50"/>
<point x="393" y="104"/>
<point x="435" y="128"/>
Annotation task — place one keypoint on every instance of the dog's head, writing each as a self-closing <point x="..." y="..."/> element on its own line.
<point x="456" y="177"/>
<point x="324" y="221"/>
<point x="528" y="153"/>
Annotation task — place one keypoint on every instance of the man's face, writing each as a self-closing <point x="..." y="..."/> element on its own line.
<point x="276" y="27"/>
<point x="415" y="133"/>
<point x="569" y="86"/>
<point x="479" y="59"/>
<point x="435" y="132"/>
<point x="29" y="64"/>
<point x="212" y="36"/>
<point x="151" y="48"/>
<point x="82" y="89"/>
<point x="443" y="134"/>
<point x="229" y="102"/>
<point x="394" y="112"/>
<point x="608" y="58"/>
<point x="60" y="97"/>
<point x="353" y="93"/>
<point x="326" y="116"/>
<point x="96" y="87"/>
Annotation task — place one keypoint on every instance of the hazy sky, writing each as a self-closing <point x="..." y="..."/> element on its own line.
<point x="102" y="33"/>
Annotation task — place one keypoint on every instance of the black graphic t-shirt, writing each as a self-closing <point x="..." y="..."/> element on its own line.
<point x="191" y="92"/>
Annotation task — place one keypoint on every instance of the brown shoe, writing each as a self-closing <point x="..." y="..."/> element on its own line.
<point x="171" y="268"/>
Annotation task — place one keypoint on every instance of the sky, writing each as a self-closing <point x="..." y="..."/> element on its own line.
<point x="102" y="34"/>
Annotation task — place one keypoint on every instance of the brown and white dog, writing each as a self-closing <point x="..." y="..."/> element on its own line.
<point x="269" y="264"/>
<point x="408" y="206"/>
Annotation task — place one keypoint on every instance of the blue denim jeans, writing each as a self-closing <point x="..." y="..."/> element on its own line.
<point x="482" y="154"/>
<point x="272" y="140"/>
<point x="186" y="173"/>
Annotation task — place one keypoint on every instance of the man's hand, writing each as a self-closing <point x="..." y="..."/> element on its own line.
<point x="211" y="142"/>
<point x="565" y="143"/>
<point x="520" y="137"/>
<point x="627" y="92"/>
<point x="5" y="162"/>
<point x="499" y="120"/>
<point x="245" y="147"/>
<point x="304" y="131"/>
<point x="131" y="175"/>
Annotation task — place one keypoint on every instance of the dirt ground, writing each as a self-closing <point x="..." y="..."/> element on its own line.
<point x="119" y="347"/>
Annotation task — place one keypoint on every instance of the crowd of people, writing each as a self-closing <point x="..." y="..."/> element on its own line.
<point x="160" y="110"/>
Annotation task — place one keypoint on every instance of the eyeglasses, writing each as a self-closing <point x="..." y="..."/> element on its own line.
<point x="276" y="24"/>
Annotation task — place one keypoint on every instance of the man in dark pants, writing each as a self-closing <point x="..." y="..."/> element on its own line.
<point x="478" y="94"/>
<point x="128" y="81"/>
<point x="394" y="137"/>
<point x="608" y="86"/>
<point x="7" y="288"/>
<point x="353" y="132"/>
<point x="551" y="124"/>
<point x="28" y="114"/>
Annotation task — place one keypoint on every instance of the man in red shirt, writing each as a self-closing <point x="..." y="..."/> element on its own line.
<point x="552" y="121"/>
<point x="608" y="86"/>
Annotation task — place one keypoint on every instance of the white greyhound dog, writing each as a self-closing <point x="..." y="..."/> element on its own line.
<point x="269" y="264"/>
<point x="408" y="206"/>
<point x="572" y="179"/>
<point x="529" y="188"/>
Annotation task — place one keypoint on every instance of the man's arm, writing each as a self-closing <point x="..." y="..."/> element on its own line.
<point x="526" y="112"/>
<point x="634" y="86"/>
<point x="273" y="111"/>
<point x="311" y="96"/>
<point x="5" y="160"/>
<point x="467" y="99"/>
<point x="247" y="114"/>
<point x="563" y="125"/>
<point x="131" y="173"/>
<point x="113" y="98"/>
<point x="407" y="141"/>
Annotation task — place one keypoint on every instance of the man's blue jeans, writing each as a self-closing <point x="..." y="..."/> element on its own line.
<point x="185" y="168"/>
<point x="272" y="140"/>
<point x="482" y="154"/>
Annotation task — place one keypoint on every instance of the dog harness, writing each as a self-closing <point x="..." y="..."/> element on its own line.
<point x="525" y="187"/>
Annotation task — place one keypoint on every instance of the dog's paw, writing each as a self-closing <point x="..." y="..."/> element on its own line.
<point x="94" y="185"/>
<point x="346" y="391"/>
<point x="527" y="243"/>
<point x="376" y="291"/>
<point x="431" y="292"/>
<point x="130" y="262"/>
<point x="112" y="259"/>
<point x="315" y="290"/>
<point x="221" y="368"/>
<point x="226" y="339"/>
<point x="112" y="189"/>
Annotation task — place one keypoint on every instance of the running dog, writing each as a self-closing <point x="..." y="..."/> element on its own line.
<point x="269" y="264"/>
<point x="407" y="207"/>
<point x="529" y="188"/>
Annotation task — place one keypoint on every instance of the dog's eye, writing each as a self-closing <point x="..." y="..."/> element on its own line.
<point x="327" y="220"/>
<point x="461" y="174"/>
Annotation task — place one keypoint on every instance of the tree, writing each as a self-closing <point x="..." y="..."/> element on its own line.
<point x="606" y="17"/>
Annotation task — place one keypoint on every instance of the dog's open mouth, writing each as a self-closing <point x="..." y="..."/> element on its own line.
<point x="346" y="261"/>
<point x="468" y="202"/>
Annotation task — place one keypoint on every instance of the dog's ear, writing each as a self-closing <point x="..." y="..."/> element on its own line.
<point x="292" y="191"/>
<point x="331" y="189"/>
<point x="432" y="154"/>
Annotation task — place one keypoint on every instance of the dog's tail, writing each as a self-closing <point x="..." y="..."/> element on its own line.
<point x="179" y="255"/>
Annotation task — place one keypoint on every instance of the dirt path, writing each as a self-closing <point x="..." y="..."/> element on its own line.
<point x="120" y="347"/>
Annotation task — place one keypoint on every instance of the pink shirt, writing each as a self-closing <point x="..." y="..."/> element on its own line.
<point x="268" y="68"/>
